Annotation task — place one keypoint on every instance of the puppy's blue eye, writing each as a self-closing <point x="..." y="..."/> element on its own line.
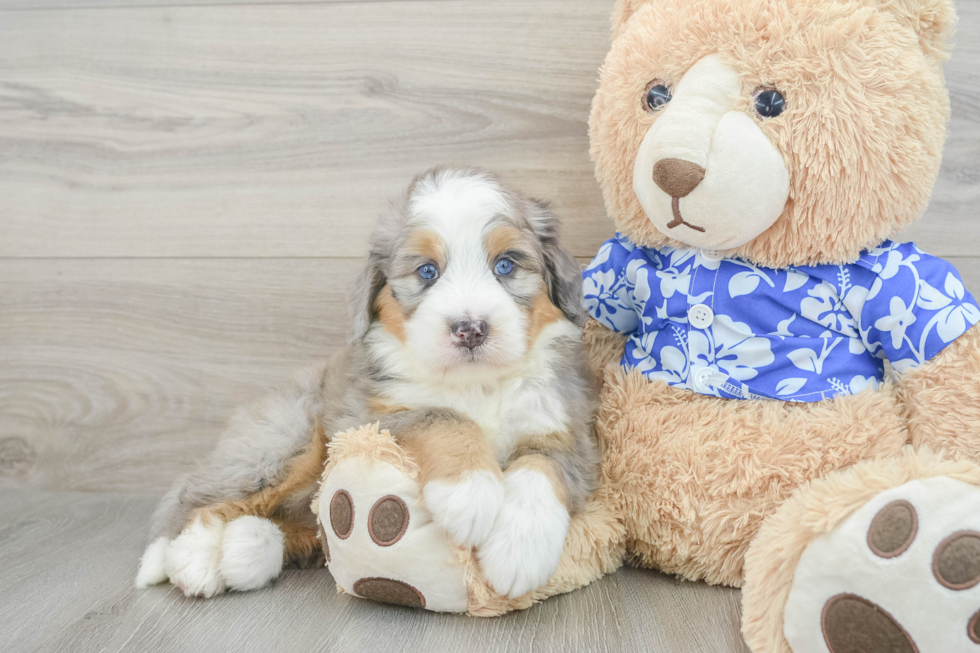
<point x="504" y="267"/>
<point x="428" y="272"/>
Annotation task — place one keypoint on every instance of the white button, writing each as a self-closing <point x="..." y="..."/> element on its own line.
<point x="713" y="254"/>
<point x="700" y="316"/>
<point x="702" y="378"/>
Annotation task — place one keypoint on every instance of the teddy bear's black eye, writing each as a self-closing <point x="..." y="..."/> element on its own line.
<point x="769" y="103"/>
<point x="658" y="94"/>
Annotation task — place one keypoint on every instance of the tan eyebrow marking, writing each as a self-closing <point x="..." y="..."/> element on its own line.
<point x="500" y="239"/>
<point x="427" y="243"/>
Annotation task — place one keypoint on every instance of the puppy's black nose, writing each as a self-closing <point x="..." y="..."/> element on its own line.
<point x="469" y="333"/>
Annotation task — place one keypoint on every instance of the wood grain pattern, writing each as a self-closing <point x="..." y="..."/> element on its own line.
<point x="68" y="560"/>
<point x="185" y="187"/>
<point x="118" y="374"/>
<point x="280" y="130"/>
<point x="283" y="130"/>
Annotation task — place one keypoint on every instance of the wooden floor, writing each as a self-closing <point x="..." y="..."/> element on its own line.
<point x="185" y="190"/>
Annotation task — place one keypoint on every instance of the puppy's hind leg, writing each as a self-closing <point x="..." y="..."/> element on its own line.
<point x="243" y="545"/>
<point x="257" y="450"/>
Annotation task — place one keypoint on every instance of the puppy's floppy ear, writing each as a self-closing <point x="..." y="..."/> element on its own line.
<point x="562" y="273"/>
<point x="364" y="290"/>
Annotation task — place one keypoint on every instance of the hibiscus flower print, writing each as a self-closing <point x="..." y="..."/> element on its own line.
<point x="897" y="321"/>
<point x="731" y="347"/>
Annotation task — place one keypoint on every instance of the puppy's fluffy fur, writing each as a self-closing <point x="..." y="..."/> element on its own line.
<point x="466" y="346"/>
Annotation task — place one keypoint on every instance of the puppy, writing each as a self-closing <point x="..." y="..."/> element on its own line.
<point x="466" y="347"/>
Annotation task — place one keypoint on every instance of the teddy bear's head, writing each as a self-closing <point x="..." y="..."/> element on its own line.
<point x="786" y="132"/>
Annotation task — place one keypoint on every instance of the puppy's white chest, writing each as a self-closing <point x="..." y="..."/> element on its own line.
<point x="531" y="407"/>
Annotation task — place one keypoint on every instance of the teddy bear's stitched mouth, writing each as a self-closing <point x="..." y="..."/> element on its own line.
<point x="675" y="205"/>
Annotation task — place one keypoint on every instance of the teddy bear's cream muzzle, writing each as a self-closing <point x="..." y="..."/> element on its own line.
<point x="705" y="173"/>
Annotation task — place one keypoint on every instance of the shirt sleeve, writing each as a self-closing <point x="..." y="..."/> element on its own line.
<point x="606" y="289"/>
<point x="916" y="306"/>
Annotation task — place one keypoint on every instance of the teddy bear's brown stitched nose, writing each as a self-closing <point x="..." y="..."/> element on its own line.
<point x="677" y="177"/>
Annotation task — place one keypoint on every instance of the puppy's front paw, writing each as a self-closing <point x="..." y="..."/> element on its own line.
<point x="251" y="553"/>
<point x="193" y="559"/>
<point x="525" y="545"/>
<point x="466" y="509"/>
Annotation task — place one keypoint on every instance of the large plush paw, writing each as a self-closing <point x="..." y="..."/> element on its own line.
<point x="900" y="575"/>
<point x="466" y="509"/>
<point x="381" y="542"/>
<point x="525" y="545"/>
<point x="209" y="557"/>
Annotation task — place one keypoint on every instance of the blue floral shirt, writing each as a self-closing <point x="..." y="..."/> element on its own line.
<point x="730" y="329"/>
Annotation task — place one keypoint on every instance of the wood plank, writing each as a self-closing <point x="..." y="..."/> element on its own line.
<point x="117" y="375"/>
<point x="86" y="547"/>
<point x="60" y="5"/>
<point x="282" y="130"/>
<point x="950" y="227"/>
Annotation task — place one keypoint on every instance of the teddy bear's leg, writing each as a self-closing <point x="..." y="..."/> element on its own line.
<point x="380" y="540"/>
<point x="882" y="557"/>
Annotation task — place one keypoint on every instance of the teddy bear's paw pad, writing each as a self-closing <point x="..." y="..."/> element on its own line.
<point x="852" y="624"/>
<point x="900" y="574"/>
<point x="342" y="514"/>
<point x="380" y="541"/>
<point x="973" y="630"/>
<point x="956" y="563"/>
<point x="385" y="590"/>
<point x="388" y="520"/>
<point x="893" y="529"/>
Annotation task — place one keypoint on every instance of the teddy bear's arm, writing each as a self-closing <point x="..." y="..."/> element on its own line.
<point x="941" y="399"/>
<point x="602" y="346"/>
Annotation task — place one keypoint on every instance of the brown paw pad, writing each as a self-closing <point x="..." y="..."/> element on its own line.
<point x="342" y="514"/>
<point x="893" y="529"/>
<point x="388" y="520"/>
<point x="853" y="624"/>
<point x="973" y="629"/>
<point x="385" y="590"/>
<point x="956" y="562"/>
<point x="322" y="536"/>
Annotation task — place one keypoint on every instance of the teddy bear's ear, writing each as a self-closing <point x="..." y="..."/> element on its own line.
<point x="932" y="20"/>
<point x="622" y="12"/>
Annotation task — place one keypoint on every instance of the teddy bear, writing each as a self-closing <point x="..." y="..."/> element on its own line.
<point x="789" y="396"/>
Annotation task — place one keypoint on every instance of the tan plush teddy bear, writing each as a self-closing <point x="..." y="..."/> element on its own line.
<point x="756" y="157"/>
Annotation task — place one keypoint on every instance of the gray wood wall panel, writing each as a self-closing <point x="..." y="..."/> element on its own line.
<point x="281" y="130"/>
<point x="185" y="189"/>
